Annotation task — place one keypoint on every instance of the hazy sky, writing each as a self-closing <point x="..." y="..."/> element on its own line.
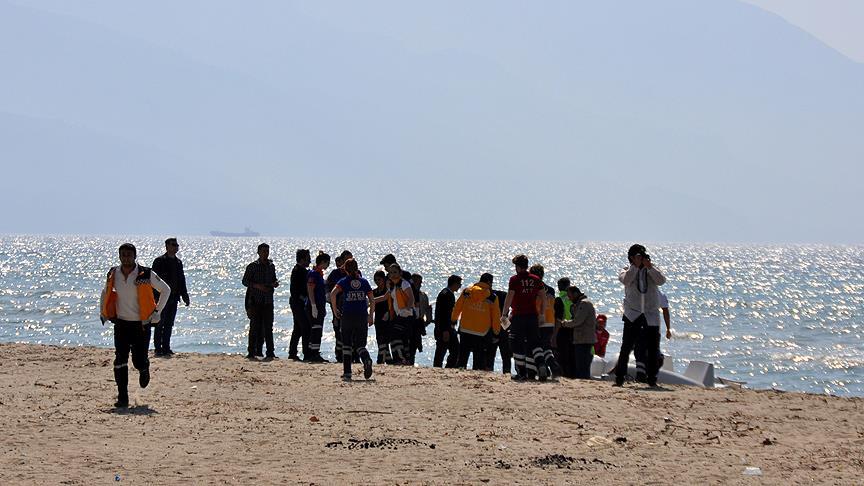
<point x="838" y="23"/>
<point x="669" y="120"/>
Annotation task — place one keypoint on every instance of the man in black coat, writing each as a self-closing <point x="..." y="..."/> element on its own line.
<point x="446" y="338"/>
<point x="170" y="269"/>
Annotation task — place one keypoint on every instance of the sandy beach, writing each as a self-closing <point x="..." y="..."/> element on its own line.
<point x="222" y="419"/>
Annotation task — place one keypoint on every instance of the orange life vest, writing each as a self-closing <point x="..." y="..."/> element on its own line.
<point x="146" y="302"/>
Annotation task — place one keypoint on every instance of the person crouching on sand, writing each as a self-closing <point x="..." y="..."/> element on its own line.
<point x="127" y="301"/>
<point x="356" y="314"/>
<point x="602" y="336"/>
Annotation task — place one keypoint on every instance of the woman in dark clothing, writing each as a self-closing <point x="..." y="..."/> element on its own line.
<point x="356" y="313"/>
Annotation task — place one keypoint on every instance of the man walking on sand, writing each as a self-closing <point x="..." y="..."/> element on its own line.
<point x="127" y="301"/>
<point x="641" y="312"/>
<point x="170" y="268"/>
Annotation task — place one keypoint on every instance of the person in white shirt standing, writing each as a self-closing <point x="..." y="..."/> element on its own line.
<point x="639" y="352"/>
<point x="641" y="313"/>
<point x="127" y="301"/>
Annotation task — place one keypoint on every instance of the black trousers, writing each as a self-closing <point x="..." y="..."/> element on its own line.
<point x="449" y="348"/>
<point x="417" y="330"/>
<point x="337" y="335"/>
<point x="316" y="330"/>
<point x="635" y="335"/>
<point x="162" y="332"/>
<point x="564" y="352"/>
<point x="649" y="352"/>
<point x="401" y="338"/>
<point x="300" y="332"/>
<point x="470" y="343"/>
<point x="525" y="344"/>
<point x="499" y="343"/>
<point x="129" y="336"/>
<point x="355" y="332"/>
<point x="582" y="357"/>
<point x="546" y="343"/>
<point x="382" y="337"/>
<point x="261" y="329"/>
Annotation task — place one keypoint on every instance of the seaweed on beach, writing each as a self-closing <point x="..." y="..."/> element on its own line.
<point x="561" y="461"/>
<point x="386" y="443"/>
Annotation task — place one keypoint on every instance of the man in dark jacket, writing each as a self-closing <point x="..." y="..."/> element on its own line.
<point x="260" y="282"/>
<point x="446" y="339"/>
<point x="297" y="301"/>
<point x="170" y="269"/>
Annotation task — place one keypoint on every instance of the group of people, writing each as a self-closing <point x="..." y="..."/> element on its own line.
<point x="545" y="333"/>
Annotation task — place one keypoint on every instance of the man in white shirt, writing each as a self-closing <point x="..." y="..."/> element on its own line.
<point x="641" y="312"/>
<point x="127" y="301"/>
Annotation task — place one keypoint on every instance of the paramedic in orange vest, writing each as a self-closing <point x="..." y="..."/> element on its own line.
<point x="127" y="301"/>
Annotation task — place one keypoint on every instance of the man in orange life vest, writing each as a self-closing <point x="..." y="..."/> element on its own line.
<point x="127" y="301"/>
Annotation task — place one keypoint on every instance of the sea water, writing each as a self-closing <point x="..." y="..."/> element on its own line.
<point x="781" y="316"/>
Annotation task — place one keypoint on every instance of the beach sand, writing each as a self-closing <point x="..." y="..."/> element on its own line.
<point x="222" y="419"/>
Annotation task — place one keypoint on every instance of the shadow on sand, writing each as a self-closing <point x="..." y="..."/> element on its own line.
<point x="136" y="410"/>
<point x="653" y="389"/>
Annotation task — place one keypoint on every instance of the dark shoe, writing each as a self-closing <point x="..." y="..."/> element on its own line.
<point x="270" y="357"/>
<point x="346" y="377"/>
<point x="542" y="373"/>
<point x="618" y="382"/>
<point x="251" y="357"/>
<point x="519" y="378"/>
<point x="168" y="353"/>
<point x="294" y="357"/>
<point x="122" y="402"/>
<point x="144" y="378"/>
<point x="367" y="369"/>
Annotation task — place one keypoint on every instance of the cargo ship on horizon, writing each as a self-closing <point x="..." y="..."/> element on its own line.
<point x="248" y="232"/>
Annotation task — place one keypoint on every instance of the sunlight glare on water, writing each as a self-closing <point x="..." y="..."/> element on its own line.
<point x="787" y="316"/>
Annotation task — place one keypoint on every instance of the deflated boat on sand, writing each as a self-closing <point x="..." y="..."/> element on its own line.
<point x="698" y="373"/>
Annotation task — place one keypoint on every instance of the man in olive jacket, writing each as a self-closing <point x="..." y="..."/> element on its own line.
<point x="584" y="326"/>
